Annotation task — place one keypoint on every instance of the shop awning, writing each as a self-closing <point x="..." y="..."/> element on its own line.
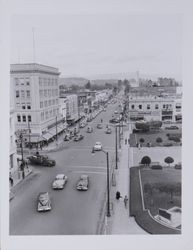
<point x="47" y="136"/>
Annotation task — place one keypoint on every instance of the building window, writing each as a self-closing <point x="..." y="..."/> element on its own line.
<point x="156" y="106"/>
<point x="22" y="94"/>
<point x="132" y="106"/>
<point x="148" y="106"/>
<point x="29" y="118"/>
<point x="42" y="116"/>
<point x="24" y="118"/>
<point x="16" y="81"/>
<point x="18" y="118"/>
<point x="45" y="93"/>
<point x="17" y="93"/>
<point x="164" y="106"/>
<point x="45" y="103"/>
<point x="50" y="102"/>
<point x="23" y="106"/>
<point x="28" y="93"/>
<point x="41" y="104"/>
<point x="140" y="106"/>
<point x="27" y="82"/>
<point x="22" y="81"/>
<point x="41" y="93"/>
<point x="28" y="106"/>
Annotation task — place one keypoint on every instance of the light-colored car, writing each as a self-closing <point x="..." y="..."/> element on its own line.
<point x="98" y="146"/>
<point x="44" y="202"/>
<point x="59" y="181"/>
<point x="108" y="131"/>
<point x="83" y="182"/>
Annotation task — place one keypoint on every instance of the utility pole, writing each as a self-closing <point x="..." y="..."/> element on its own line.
<point x="108" y="191"/>
<point x="56" y="131"/>
<point x="116" y="153"/>
<point x="29" y="132"/>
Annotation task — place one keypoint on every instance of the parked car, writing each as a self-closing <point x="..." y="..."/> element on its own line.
<point x="83" y="182"/>
<point x="108" y="131"/>
<point x="98" y="146"/>
<point x="115" y="112"/>
<point x="114" y="120"/>
<point x="89" y="129"/>
<point x="44" y="202"/>
<point x="59" y="181"/>
<point x="99" y="125"/>
<point x="78" y="137"/>
<point x="171" y="127"/>
<point x="42" y="160"/>
<point x="178" y="166"/>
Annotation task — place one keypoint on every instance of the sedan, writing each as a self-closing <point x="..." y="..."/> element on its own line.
<point x="99" y="126"/>
<point x="82" y="183"/>
<point x="78" y="137"/>
<point x="59" y="181"/>
<point x="171" y="127"/>
<point x="44" y="202"/>
<point x="108" y="131"/>
<point x="97" y="146"/>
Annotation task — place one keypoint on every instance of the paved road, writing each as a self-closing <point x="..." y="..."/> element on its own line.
<point x="74" y="212"/>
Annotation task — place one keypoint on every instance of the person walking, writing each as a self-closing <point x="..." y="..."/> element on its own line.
<point x="125" y="201"/>
<point x="125" y="141"/>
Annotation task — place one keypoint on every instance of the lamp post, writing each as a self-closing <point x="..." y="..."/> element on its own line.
<point x="108" y="189"/>
<point x="116" y="153"/>
<point x="56" y="130"/>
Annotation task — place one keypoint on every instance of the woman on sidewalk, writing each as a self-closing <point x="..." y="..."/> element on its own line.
<point x="125" y="201"/>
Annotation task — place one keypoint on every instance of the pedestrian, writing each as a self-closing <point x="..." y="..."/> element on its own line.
<point x="118" y="195"/>
<point x="125" y="141"/>
<point x="11" y="181"/>
<point x="126" y="201"/>
<point x="128" y="141"/>
<point x="23" y="174"/>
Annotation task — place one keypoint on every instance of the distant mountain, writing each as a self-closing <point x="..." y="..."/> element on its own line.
<point x="103" y="81"/>
<point x="72" y="81"/>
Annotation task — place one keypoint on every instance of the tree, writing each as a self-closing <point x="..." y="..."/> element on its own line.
<point x="169" y="160"/>
<point x="146" y="160"/>
<point x="87" y="85"/>
<point x="141" y="140"/>
<point x="159" y="140"/>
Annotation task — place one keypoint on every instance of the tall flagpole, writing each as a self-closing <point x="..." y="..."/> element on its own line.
<point x="34" y="55"/>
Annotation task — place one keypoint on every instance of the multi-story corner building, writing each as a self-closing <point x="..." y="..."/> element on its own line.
<point x="12" y="144"/>
<point x="36" y="100"/>
<point x="155" y="108"/>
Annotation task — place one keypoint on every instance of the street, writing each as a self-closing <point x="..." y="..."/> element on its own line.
<point x="73" y="212"/>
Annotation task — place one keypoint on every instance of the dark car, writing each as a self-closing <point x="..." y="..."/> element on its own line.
<point x="42" y="160"/>
<point x="78" y="137"/>
<point x="171" y="127"/>
<point x="99" y="126"/>
<point x="82" y="183"/>
<point x="44" y="202"/>
<point x="67" y="137"/>
<point x="89" y="129"/>
<point x="114" y="120"/>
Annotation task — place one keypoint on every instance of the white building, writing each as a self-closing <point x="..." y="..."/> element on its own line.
<point x="70" y="102"/>
<point x="155" y="108"/>
<point x="36" y="99"/>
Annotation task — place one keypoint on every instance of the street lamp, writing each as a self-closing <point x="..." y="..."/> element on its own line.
<point x="108" y="190"/>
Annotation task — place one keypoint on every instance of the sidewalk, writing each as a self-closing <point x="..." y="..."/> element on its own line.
<point x="120" y="222"/>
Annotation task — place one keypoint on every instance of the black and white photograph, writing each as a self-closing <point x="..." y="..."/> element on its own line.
<point x="96" y="123"/>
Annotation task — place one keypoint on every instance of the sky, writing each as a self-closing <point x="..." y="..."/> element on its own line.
<point x="102" y="44"/>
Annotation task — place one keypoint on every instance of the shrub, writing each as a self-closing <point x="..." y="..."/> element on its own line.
<point x="169" y="160"/>
<point x="159" y="140"/>
<point x="141" y="140"/>
<point x="168" y="144"/>
<point x="146" y="160"/>
<point x="156" y="167"/>
<point x="178" y="166"/>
